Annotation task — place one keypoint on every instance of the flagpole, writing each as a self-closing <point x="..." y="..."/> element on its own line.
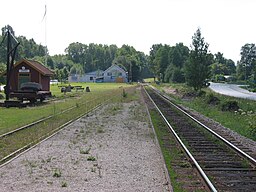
<point x="45" y="34"/>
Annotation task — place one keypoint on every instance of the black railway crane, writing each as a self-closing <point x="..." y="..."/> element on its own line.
<point x="11" y="49"/>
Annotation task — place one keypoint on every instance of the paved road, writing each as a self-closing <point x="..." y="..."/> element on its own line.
<point x="232" y="90"/>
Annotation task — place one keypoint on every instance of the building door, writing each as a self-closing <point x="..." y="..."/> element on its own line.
<point x="23" y="78"/>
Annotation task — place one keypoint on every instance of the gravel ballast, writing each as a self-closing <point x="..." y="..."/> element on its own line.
<point x="111" y="149"/>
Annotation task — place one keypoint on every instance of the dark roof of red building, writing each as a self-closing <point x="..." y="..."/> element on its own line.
<point x="37" y="66"/>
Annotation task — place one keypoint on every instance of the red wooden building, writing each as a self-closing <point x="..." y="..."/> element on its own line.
<point x="30" y="71"/>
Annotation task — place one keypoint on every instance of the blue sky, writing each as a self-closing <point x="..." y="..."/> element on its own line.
<point x="225" y="24"/>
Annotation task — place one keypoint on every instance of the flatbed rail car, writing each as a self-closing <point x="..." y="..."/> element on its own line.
<point x="31" y="96"/>
<point x="30" y="91"/>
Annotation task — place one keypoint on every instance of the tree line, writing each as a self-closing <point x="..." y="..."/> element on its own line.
<point x="79" y="58"/>
<point x="196" y="66"/>
<point x="179" y="63"/>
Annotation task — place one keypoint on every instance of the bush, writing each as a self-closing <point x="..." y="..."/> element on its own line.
<point x="230" y="106"/>
<point x="219" y="78"/>
<point x="1" y="96"/>
<point x="189" y="95"/>
<point x="212" y="100"/>
<point x="201" y="93"/>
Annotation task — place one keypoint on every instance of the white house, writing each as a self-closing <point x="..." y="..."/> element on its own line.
<point x="115" y="74"/>
<point x="112" y="74"/>
<point x="92" y="76"/>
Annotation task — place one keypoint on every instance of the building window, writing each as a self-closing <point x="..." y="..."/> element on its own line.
<point x="23" y="78"/>
<point x="119" y="74"/>
<point x="109" y="74"/>
<point x="91" y="78"/>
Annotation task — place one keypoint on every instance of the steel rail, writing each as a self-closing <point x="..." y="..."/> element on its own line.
<point x="39" y="140"/>
<point x="242" y="153"/>
<point x="202" y="173"/>
<point x="31" y="145"/>
<point x="167" y="176"/>
<point x="42" y="120"/>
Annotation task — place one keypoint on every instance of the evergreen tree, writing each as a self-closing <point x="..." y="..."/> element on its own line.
<point x="197" y="68"/>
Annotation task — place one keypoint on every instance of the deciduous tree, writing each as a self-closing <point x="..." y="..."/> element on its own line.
<point x="247" y="62"/>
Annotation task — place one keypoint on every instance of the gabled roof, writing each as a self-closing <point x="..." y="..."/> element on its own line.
<point x="37" y="66"/>
<point x="112" y="66"/>
<point x="94" y="72"/>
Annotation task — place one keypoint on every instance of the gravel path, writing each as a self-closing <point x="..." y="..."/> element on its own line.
<point x="111" y="149"/>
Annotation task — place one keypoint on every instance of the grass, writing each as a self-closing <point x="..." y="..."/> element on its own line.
<point x="91" y="158"/>
<point x="175" y="158"/>
<point x="169" y="155"/>
<point x="242" y="121"/>
<point x="84" y="151"/>
<point x="9" y="121"/>
<point x="243" y="124"/>
<point x="56" y="173"/>
<point x="34" y="134"/>
<point x="113" y="109"/>
<point x="100" y="130"/>
<point x="149" y="80"/>
<point x="64" y="184"/>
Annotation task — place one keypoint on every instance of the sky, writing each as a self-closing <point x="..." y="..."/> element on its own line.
<point x="225" y="24"/>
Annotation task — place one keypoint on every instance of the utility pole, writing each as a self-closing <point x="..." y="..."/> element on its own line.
<point x="7" y="87"/>
<point x="130" y="79"/>
<point x="44" y="18"/>
<point x="11" y="51"/>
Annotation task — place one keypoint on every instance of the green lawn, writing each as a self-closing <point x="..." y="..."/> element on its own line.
<point x="11" y="118"/>
<point x="149" y="80"/>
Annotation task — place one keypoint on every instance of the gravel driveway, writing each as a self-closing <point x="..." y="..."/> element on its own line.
<point x="111" y="149"/>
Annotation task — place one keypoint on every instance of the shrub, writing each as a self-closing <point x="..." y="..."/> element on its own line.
<point x="190" y="95"/>
<point x="219" y="78"/>
<point x="201" y="93"/>
<point x="230" y="106"/>
<point x="212" y="100"/>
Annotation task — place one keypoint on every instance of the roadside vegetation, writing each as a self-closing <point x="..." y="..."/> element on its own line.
<point x="236" y="114"/>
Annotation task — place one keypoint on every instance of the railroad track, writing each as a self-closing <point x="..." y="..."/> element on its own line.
<point x="223" y="166"/>
<point x="6" y="138"/>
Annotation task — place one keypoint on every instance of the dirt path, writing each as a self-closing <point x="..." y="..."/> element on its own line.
<point x="111" y="149"/>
